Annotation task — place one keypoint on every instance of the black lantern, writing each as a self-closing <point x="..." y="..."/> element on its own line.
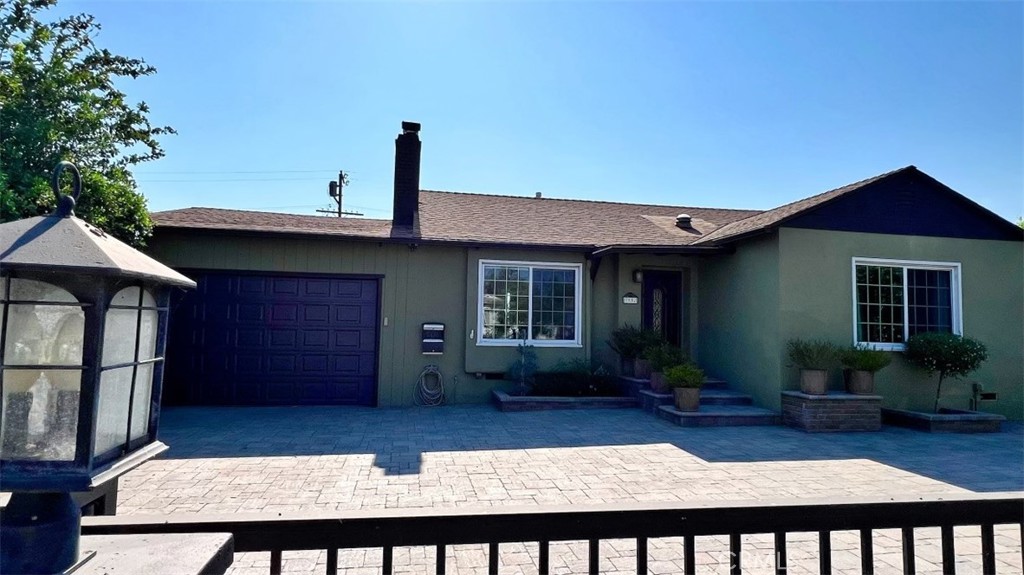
<point x="83" y="323"/>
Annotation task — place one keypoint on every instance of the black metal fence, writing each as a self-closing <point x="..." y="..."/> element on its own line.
<point x="387" y="529"/>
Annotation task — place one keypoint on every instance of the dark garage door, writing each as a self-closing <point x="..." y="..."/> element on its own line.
<point x="242" y="339"/>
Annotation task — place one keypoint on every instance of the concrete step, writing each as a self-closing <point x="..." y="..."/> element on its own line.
<point x="720" y="416"/>
<point x="651" y="400"/>
<point x="723" y="396"/>
<point x="715" y="383"/>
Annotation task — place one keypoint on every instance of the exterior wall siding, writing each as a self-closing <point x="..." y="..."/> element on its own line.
<point x="405" y="305"/>
<point x="816" y="301"/>
<point x="738" y="325"/>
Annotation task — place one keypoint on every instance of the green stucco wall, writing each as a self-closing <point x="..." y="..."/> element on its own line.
<point x="738" y="323"/>
<point x="816" y="301"/>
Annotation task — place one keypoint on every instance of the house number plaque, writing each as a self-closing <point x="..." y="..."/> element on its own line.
<point x="630" y="299"/>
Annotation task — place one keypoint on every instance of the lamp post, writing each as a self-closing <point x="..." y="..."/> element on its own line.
<point x="83" y="324"/>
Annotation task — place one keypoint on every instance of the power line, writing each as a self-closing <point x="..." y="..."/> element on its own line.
<point x="201" y="181"/>
<point x="144" y="172"/>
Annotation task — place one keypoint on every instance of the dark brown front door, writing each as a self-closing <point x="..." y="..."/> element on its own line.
<point x="662" y="303"/>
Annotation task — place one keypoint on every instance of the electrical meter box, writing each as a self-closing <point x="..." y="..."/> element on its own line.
<point x="433" y="339"/>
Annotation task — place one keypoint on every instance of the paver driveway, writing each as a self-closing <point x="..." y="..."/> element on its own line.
<point x="287" y="459"/>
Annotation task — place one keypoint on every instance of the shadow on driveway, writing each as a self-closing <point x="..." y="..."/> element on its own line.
<point x="398" y="437"/>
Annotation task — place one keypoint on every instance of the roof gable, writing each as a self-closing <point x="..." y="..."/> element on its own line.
<point x="901" y="202"/>
<point x="908" y="202"/>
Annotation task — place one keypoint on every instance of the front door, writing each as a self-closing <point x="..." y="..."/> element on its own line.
<point x="662" y="303"/>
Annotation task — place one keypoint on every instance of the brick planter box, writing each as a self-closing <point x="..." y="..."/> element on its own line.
<point x="506" y="402"/>
<point x="831" y="412"/>
<point x="947" y="420"/>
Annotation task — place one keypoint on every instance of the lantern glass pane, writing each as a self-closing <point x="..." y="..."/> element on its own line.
<point x="147" y="334"/>
<point x="119" y="336"/>
<point x="114" y="399"/>
<point x="44" y="335"/>
<point x="142" y="400"/>
<point x="40" y="414"/>
<point x="32" y="290"/>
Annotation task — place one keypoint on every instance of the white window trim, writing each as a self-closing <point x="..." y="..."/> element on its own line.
<point x="956" y="298"/>
<point x="578" y="312"/>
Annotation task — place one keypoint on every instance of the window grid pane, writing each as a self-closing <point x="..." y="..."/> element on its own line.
<point x="880" y="304"/>
<point x="554" y="304"/>
<point x="526" y="302"/>
<point x="506" y="301"/>
<point x="929" y="301"/>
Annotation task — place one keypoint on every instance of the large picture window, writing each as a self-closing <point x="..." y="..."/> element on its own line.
<point x="896" y="299"/>
<point x="535" y="302"/>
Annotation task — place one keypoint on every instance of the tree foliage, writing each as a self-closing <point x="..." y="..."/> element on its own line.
<point x="58" y="101"/>
<point x="948" y="354"/>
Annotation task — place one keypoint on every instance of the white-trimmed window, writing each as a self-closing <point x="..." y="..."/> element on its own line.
<point x="896" y="299"/>
<point x="536" y="302"/>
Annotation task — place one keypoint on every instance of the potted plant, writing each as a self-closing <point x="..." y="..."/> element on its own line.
<point x="661" y="357"/>
<point x="948" y="354"/>
<point x="685" y="380"/>
<point x="861" y="363"/>
<point x="630" y="342"/>
<point x="814" y="358"/>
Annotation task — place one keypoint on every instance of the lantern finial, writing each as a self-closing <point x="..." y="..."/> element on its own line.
<point x="66" y="204"/>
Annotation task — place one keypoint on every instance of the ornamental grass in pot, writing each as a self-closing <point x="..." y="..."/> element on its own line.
<point x="661" y="357"/>
<point x="860" y="364"/>
<point x="814" y="358"/>
<point x="685" y="380"/>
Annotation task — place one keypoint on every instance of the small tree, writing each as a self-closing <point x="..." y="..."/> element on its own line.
<point x="524" y="368"/>
<point x="948" y="354"/>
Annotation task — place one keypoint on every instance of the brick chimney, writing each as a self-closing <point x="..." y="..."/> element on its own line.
<point x="407" y="174"/>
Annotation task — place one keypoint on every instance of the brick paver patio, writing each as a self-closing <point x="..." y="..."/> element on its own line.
<point x="248" y="460"/>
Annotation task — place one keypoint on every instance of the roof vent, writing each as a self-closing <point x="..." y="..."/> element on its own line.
<point x="538" y="196"/>
<point x="683" y="221"/>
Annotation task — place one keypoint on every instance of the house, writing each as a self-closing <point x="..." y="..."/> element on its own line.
<point x="296" y="309"/>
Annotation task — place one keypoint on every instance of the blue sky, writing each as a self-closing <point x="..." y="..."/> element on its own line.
<point x="746" y="105"/>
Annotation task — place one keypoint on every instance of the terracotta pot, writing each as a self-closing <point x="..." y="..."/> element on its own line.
<point x="814" y="381"/>
<point x="687" y="398"/>
<point x="658" y="382"/>
<point x="861" y="382"/>
<point x="641" y="368"/>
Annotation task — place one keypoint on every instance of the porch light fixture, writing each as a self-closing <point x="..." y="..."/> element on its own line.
<point x="83" y="323"/>
<point x="638" y="276"/>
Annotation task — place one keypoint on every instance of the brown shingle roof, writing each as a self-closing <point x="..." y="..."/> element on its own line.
<point x="479" y="218"/>
<point x="773" y="217"/>
<point x="249" y="221"/>
<point x="493" y="219"/>
<point x="549" y="221"/>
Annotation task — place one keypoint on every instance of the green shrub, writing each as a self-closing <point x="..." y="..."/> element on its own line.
<point x="630" y="341"/>
<point x="663" y="356"/>
<point x="523" y="369"/>
<point x="684" y="375"/>
<point x="863" y="358"/>
<point x="812" y="354"/>
<point x="948" y="354"/>
<point x="576" y="378"/>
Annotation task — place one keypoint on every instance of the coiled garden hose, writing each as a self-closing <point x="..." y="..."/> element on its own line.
<point x="430" y="390"/>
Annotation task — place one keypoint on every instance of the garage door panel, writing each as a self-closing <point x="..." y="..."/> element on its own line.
<point x="316" y="313"/>
<point x="317" y="288"/>
<point x="274" y="340"/>
<point x="286" y="286"/>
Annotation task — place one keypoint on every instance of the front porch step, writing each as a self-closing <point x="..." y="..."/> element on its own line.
<point x="720" y="416"/>
<point x="652" y="400"/>
<point x="715" y="383"/>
